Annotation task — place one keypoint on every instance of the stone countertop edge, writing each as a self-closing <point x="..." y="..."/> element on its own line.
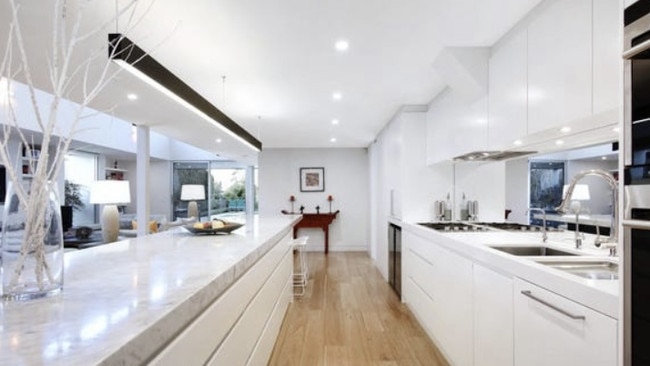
<point x="600" y="295"/>
<point x="145" y="330"/>
<point x="142" y="350"/>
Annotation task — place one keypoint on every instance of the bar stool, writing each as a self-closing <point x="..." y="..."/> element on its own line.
<point x="300" y="274"/>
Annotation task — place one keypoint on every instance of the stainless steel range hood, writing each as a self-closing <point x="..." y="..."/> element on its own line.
<point x="492" y="155"/>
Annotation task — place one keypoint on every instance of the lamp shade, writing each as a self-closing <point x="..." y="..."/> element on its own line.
<point x="191" y="192"/>
<point x="580" y="192"/>
<point x="107" y="192"/>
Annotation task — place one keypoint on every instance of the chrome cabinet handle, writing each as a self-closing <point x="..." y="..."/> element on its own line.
<point x="529" y="294"/>
<point x="636" y="50"/>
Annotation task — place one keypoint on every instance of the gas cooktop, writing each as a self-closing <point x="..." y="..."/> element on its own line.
<point x="453" y="226"/>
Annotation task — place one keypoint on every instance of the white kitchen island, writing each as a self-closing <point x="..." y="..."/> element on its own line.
<point x="159" y="299"/>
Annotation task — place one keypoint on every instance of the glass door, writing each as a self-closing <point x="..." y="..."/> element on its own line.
<point x="228" y="192"/>
<point x="194" y="172"/>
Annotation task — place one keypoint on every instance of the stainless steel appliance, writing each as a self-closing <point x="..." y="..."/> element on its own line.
<point x="395" y="258"/>
<point x="452" y="226"/>
<point x="636" y="215"/>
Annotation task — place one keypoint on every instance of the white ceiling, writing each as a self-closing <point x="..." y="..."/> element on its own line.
<point x="279" y="61"/>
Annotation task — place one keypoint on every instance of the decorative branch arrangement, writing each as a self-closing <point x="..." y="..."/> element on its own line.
<point x="66" y="77"/>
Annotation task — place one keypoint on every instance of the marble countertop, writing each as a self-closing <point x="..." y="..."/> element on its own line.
<point x="600" y="295"/>
<point x="123" y="301"/>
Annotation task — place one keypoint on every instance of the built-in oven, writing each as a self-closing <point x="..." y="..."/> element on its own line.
<point x="636" y="130"/>
<point x="636" y="157"/>
<point x="636" y="276"/>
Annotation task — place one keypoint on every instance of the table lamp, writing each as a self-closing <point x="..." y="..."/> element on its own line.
<point x="192" y="193"/>
<point x="109" y="193"/>
<point x="580" y="193"/>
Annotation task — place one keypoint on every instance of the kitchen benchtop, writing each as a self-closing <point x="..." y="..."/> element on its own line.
<point x="122" y="302"/>
<point x="600" y="295"/>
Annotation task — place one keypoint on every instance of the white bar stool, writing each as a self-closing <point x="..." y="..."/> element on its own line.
<point x="300" y="274"/>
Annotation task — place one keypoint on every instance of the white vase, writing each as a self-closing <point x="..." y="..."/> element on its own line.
<point x="32" y="242"/>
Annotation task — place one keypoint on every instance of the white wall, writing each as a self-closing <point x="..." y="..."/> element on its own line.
<point x="346" y="179"/>
<point x="485" y="182"/>
<point x="159" y="186"/>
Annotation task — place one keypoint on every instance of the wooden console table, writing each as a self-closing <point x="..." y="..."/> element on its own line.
<point x="314" y="220"/>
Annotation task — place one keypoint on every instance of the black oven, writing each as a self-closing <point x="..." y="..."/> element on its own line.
<point x="637" y="93"/>
<point x="636" y="275"/>
<point x="636" y="154"/>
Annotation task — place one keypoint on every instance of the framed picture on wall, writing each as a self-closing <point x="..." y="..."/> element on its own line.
<point x="312" y="179"/>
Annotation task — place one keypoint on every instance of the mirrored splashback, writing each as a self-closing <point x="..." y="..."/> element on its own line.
<point x="538" y="180"/>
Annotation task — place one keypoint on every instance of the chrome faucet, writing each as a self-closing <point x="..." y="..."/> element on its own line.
<point x="544" y="230"/>
<point x="578" y="237"/>
<point x="613" y="185"/>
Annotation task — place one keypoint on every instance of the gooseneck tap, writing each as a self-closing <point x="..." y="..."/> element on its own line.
<point x="544" y="234"/>
<point x="613" y="185"/>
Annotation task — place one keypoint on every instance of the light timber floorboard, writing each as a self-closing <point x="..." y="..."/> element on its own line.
<point x="349" y="315"/>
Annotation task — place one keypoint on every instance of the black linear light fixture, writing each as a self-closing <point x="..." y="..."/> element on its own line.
<point x="133" y="59"/>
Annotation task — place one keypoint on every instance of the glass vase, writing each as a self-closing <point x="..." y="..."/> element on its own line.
<point x="32" y="242"/>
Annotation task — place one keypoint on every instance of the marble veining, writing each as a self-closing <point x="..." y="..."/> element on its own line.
<point x="122" y="302"/>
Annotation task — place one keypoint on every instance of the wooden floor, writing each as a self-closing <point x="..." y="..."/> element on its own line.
<point x="350" y="316"/>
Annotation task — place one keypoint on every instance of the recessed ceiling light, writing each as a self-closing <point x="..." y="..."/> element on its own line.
<point x="333" y="139"/>
<point x="616" y="129"/>
<point x="132" y="96"/>
<point x="335" y="121"/>
<point x="565" y="129"/>
<point x="218" y="141"/>
<point x="604" y="158"/>
<point x="518" y="142"/>
<point x="337" y="95"/>
<point x="559" y="142"/>
<point x="342" y="45"/>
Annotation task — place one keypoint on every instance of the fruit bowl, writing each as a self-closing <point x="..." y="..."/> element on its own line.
<point x="227" y="228"/>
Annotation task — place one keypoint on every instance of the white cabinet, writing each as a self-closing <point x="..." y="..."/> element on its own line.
<point x="455" y="307"/>
<point x="493" y="318"/>
<point x="559" y="64"/>
<point x="554" y="331"/>
<point x="241" y="326"/>
<point x="607" y="55"/>
<point x="438" y="289"/>
<point x="508" y="91"/>
<point x="418" y="274"/>
<point x="456" y="126"/>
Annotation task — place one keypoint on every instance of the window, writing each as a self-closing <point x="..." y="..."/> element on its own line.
<point x="546" y="182"/>
<point x="225" y="184"/>
<point x="80" y="171"/>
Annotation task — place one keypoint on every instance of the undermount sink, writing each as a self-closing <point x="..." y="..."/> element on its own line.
<point x="536" y="250"/>
<point x="591" y="269"/>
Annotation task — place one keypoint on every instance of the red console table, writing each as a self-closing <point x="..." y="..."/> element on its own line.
<point x="315" y="220"/>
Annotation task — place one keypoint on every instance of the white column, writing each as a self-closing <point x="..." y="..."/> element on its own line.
<point x="142" y="174"/>
<point x="250" y="196"/>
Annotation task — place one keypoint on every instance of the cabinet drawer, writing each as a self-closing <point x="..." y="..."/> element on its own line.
<point x="553" y="330"/>
<point x="422" y="272"/>
<point x="199" y="340"/>
<point x="239" y="344"/>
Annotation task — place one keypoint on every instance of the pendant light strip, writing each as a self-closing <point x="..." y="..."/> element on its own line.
<point x="134" y="60"/>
